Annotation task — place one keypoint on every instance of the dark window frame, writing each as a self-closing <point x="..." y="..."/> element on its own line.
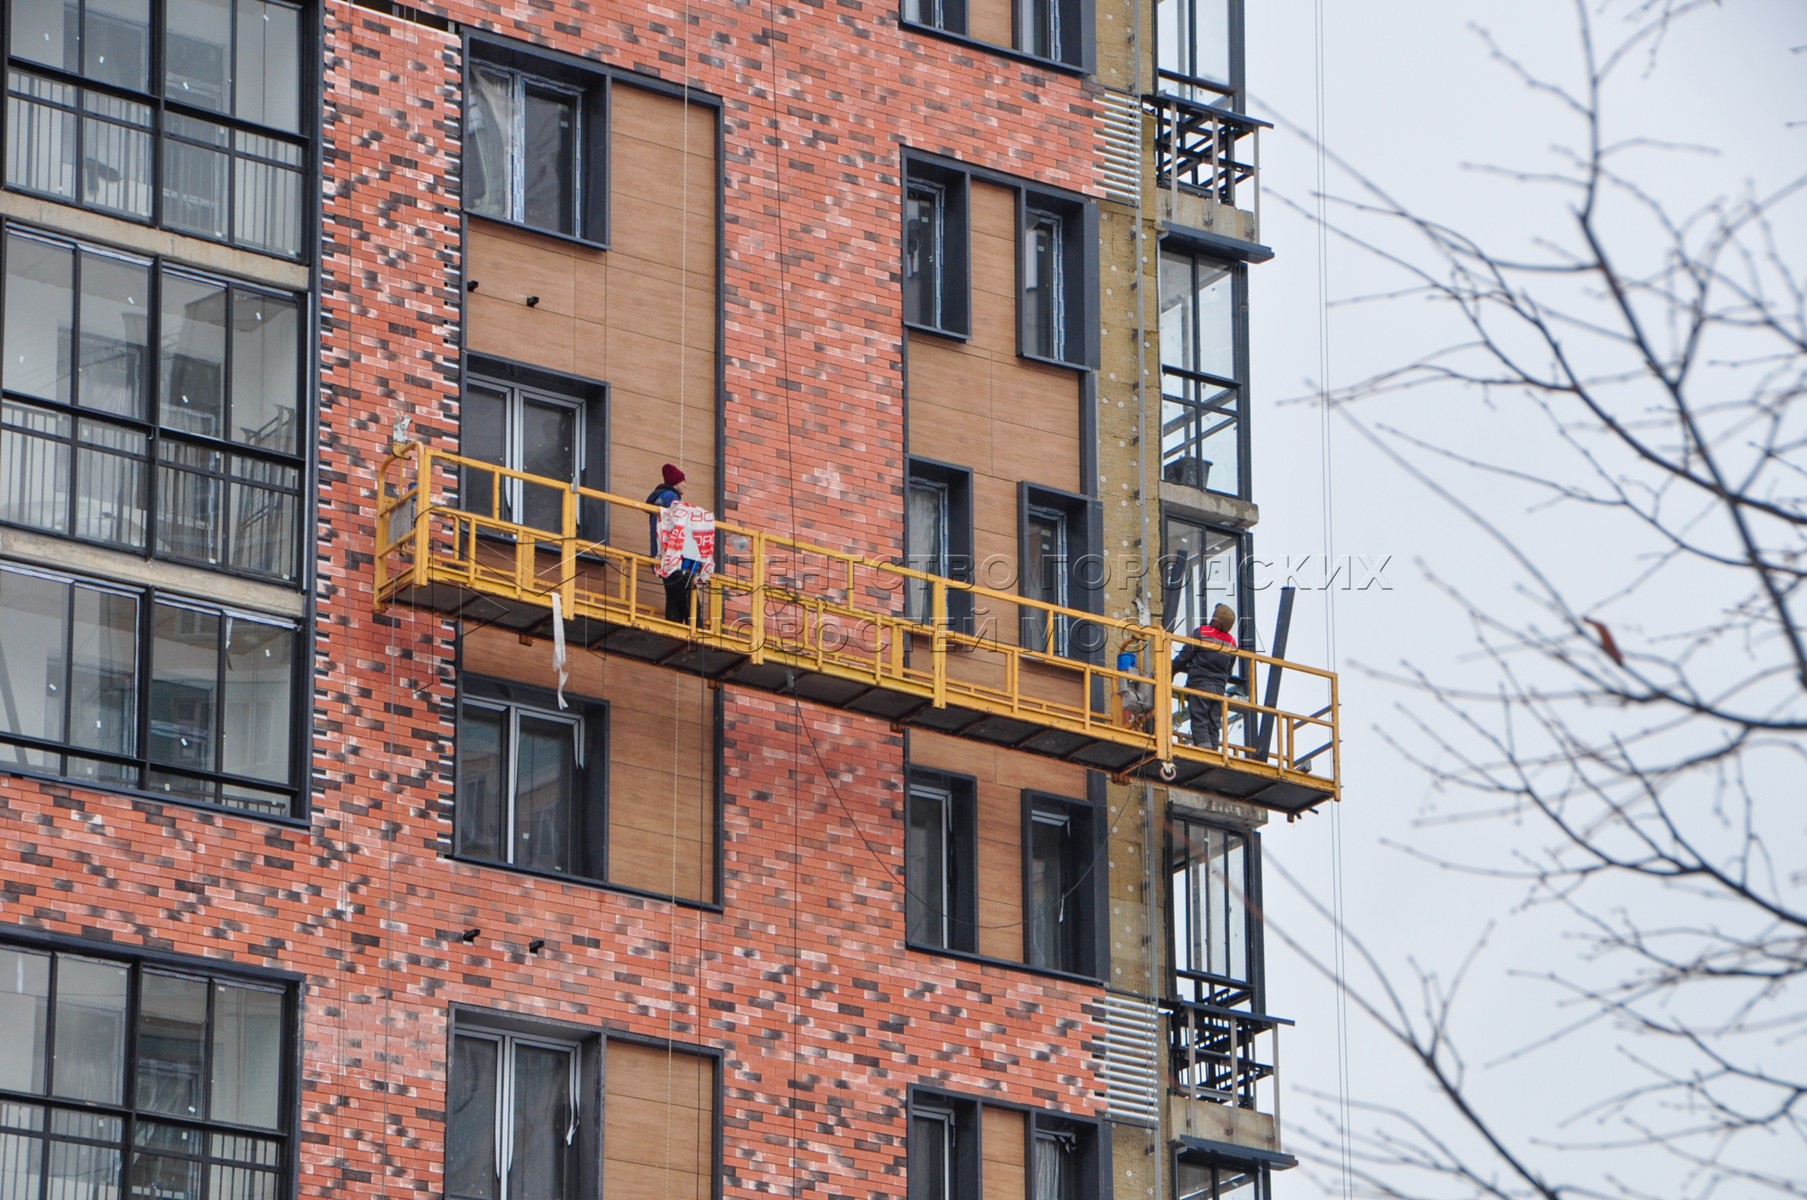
<point x="140" y="764"/>
<point x="1180" y="75"/>
<point x="590" y="173"/>
<point x="1074" y="54"/>
<point x="957" y="797"/>
<point x="243" y="461"/>
<point x="1176" y="572"/>
<point x="1086" y="891"/>
<point x="165" y="115"/>
<point x="590" y="397"/>
<point x="959" y="1130"/>
<point x="949" y="311"/>
<point x="588" y="826"/>
<point x="130" y="1110"/>
<point x="1196" y="403"/>
<point x="957" y="550"/>
<point x="588" y="1048"/>
<point x="1081" y="640"/>
<point x="1206" y="986"/>
<point x="963" y="1117"/>
<point x="1071" y="337"/>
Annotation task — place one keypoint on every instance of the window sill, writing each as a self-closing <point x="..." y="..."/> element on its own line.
<point x="139" y="795"/>
<point x="569" y="239"/>
<point x="1064" y="364"/>
<point x="583" y="881"/>
<point x="1008" y="964"/>
<point x="1059" y="66"/>
<point x="951" y="335"/>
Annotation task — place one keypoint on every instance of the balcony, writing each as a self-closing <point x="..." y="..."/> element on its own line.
<point x="1207" y="162"/>
<point x="1222" y="1064"/>
<point x="792" y="618"/>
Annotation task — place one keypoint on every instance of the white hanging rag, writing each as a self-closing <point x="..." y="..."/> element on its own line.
<point x="558" y="648"/>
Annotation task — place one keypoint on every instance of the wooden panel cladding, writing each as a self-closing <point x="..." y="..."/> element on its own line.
<point x="641" y="316"/>
<point x="990" y="21"/>
<point x="1004" y="1167"/>
<point x="1001" y="776"/>
<point x="659" y="1119"/>
<point x="661" y="768"/>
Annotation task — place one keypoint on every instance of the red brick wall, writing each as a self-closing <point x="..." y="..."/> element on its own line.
<point x="800" y="980"/>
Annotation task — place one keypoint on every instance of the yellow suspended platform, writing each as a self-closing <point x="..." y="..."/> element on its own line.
<point x="788" y="617"/>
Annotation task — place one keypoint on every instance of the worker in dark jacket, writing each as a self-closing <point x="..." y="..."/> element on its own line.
<point x="679" y="582"/>
<point x="1207" y="669"/>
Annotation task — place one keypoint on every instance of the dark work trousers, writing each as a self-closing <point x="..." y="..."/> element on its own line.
<point x="678" y="588"/>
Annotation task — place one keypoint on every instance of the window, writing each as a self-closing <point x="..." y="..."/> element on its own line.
<point x="1199" y="49"/>
<point x="944" y="1150"/>
<point x="1201" y="567"/>
<point x="532" y="789"/>
<point x="151" y="409"/>
<point x="535" y="142"/>
<point x="120" y="1075"/>
<point x="212" y="147"/>
<point x="1064" y="875"/>
<point x="1204" y="439"/>
<point x="1054" y="270"/>
<point x="133" y="688"/>
<point x="938" y="539"/>
<point x="538" y="424"/>
<point x="1058" y="568"/>
<point x="936" y="286"/>
<point x="1212" y="898"/>
<point x="522" y="1115"/>
<point x="1201" y="1176"/>
<point x="940" y="848"/>
<point x="1064" y="1161"/>
<point x="1053" y="30"/>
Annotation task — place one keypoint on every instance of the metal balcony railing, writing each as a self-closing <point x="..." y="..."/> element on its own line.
<point x="1205" y="149"/>
<point x="1201" y="420"/>
<point x="786" y="616"/>
<point x="1221" y="1055"/>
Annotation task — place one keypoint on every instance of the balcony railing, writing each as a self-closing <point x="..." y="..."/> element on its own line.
<point x="1220" y="1055"/>
<point x="1201" y="428"/>
<point x="1205" y="149"/>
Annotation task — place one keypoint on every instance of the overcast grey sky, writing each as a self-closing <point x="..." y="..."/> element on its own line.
<point x="1411" y="98"/>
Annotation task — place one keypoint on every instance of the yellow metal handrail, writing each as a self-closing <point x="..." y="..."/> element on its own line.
<point x="781" y="600"/>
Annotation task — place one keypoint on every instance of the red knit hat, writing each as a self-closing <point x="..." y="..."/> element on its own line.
<point x="672" y="475"/>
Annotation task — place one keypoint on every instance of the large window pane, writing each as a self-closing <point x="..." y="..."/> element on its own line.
<point x="267" y="181"/>
<point x="471" y="1122"/>
<point x="103" y="675"/>
<point x="266" y="370"/>
<point x="194" y="355"/>
<point x="196" y="175"/>
<point x="549" y="450"/>
<point x="542" y="1124"/>
<point x="89" y="1058"/>
<point x="110" y="484"/>
<point x="490" y="121"/>
<point x="549" y="189"/>
<point x="269" y="57"/>
<point x="247" y="1056"/>
<point x="184" y="686"/>
<point x="117" y="155"/>
<point x="40" y="135"/>
<point x="1051" y="877"/>
<point x="482" y="778"/>
<point x="264" y="517"/>
<point x="40" y="319"/>
<point x="47" y="31"/>
<point x="24" y="1014"/>
<point x="197" y="55"/>
<point x="34" y="616"/>
<point x="260" y="694"/>
<point x="927" y="850"/>
<point x="35" y="462"/>
<point x="116" y="44"/>
<point x="544" y="793"/>
<point x="483" y="435"/>
<point x="190" y="493"/>
<point x="172" y="1045"/>
<point x="115" y="330"/>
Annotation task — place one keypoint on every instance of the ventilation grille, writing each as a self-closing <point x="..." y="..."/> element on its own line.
<point x="1120" y="128"/>
<point x="1129" y="1061"/>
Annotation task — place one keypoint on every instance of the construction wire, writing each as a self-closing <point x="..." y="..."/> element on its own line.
<point x="1326" y="447"/>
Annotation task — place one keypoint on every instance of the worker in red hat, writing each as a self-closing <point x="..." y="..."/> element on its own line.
<point x="680" y="581"/>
